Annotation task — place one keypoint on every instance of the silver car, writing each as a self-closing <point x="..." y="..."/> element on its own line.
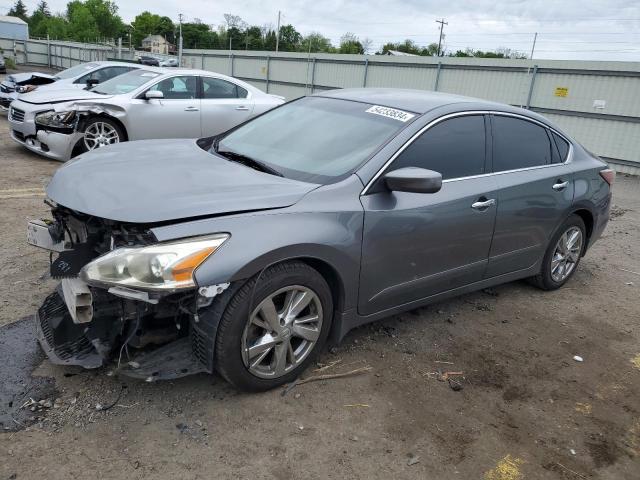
<point x="85" y="75"/>
<point x="246" y="252"/>
<point x="142" y="104"/>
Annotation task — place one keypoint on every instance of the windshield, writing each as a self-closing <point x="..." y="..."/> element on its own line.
<point x="314" y="139"/>
<point x="125" y="83"/>
<point x="76" y="71"/>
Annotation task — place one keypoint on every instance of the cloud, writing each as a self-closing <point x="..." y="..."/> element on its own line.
<point x="572" y="29"/>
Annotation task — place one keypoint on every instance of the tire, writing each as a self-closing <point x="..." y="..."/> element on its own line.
<point x="551" y="276"/>
<point x="93" y="126"/>
<point x="243" y="329"/>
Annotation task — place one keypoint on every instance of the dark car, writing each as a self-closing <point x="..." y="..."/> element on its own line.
<point x="149" y="60"/>
<point x="245" y="252"/>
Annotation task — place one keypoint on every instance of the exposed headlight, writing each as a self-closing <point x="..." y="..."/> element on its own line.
<point x="163" y="266"/>
<point x="56" y="119"/>
<point x="26" y="88"/>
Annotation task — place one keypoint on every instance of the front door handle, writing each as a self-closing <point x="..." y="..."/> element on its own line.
<point x="560" y="185"/>
<point x="191" y="109"/>
<point x="242" y="108"/>
<point x="483" y="204"/>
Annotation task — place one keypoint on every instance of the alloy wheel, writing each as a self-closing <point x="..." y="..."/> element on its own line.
<point x="100" y="134"/>
<point x="566" y="254"/>
<point x="282" y="331"/>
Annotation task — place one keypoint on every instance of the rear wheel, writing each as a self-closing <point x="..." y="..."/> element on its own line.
<point x="563" y="254"/>
<point x="273" y="327"/>
<point x="100" y="132"/>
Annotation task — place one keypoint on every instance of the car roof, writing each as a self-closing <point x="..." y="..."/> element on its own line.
<point x="417" y="101"/>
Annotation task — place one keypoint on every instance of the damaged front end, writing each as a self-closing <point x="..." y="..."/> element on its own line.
<point x="125" y="299"/>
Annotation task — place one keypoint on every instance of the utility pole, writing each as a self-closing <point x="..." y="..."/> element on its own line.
<point x="278" y="33"/>
<point x="535" y="37"/>
<point x="180" y="17"/>
<point x="442" y="24"/>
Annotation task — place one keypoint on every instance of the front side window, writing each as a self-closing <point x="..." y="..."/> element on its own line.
<point x="218" y="88"/>
<point x="178" y="88"/>
<point x="314" y="139"/>
<point x="519" y="144"/>
<point x="454" y="148"/>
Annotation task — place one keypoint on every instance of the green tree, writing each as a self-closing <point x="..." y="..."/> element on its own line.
<point x="316" y="42"/>
<point x="19" y="10"/>
<point x="82" y="25"/>
<point x="199" y="35"/>
<point x="148" y="23"/>
<point x="253" y="38"/>
<point x="290" y="39"/>
<point x="349" y="43"/>
<point x="105" y="14"/>
<point x="43" y="8"/>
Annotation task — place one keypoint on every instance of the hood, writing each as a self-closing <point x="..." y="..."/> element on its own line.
<point x="46" y="96"/>
<point x="154" y="181"/>
<point x="28" y="77"/>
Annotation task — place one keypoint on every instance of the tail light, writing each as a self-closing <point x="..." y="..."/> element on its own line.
<point x="608" y="175"/>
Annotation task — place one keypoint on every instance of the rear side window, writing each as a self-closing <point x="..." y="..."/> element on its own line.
<point x="217" y="88"/>
<point x="562" y="145"/>
<point x="519" y="144"/>
<point x="455" y="148"/>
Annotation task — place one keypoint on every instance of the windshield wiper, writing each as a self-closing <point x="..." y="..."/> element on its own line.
<point x="247" y="161"/>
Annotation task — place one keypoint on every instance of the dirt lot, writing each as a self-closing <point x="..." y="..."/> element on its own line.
<point x="526" y="409"/>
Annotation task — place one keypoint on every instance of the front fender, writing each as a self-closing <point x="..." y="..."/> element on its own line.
<point x="260" y="240"/>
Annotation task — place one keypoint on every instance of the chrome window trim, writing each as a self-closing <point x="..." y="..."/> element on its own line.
<point x="468" y="113"/>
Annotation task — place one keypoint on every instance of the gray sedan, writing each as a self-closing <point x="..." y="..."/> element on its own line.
<point x="245" y="252"/>
<point x="141" y="104"/>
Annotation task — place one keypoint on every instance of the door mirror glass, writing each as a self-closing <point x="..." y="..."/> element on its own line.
<point x="92" y="82"/>
<point x="154" y="94"/>
<point x="413" y="180"/>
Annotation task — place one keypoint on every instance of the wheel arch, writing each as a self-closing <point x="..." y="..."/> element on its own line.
<point x="116" y="120"/>
<point x="589" y="220"/>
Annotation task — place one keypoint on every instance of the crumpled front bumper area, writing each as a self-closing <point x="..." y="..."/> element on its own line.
<point x="108" y="340"/>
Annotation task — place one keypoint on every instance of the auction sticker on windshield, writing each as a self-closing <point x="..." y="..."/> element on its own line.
<point x="391" y="113"/>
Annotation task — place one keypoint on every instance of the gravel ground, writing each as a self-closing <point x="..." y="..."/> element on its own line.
<point x="526" y="408"/>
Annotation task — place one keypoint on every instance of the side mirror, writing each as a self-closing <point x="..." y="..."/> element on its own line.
<point x="92" y="82"/>
<point x="413" y="180"/>
<point x="154" y="94"/>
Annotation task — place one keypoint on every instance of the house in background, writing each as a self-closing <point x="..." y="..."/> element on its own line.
<point x="14" y="28"/>
<point x="157" y="44"/>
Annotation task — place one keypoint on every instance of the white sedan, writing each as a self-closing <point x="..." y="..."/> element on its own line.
<point x="85" y="75"/>
<point x="142" y="104"/>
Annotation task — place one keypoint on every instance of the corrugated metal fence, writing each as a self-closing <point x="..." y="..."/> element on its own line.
<point x="598" y="103"/>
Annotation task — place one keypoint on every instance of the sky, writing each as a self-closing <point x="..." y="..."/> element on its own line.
<point x="568" y="29"/>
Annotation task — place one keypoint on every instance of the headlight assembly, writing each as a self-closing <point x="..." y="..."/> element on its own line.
<point x="56" y="119"/>
<point x="163" y="266"/>
<point x="26" y="88"/>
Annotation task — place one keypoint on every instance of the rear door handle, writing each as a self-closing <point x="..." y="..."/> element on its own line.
<point x="560" y="185"/>
<point x="483" y="204"/>
<point x="191" y="109"/>
<point x="242" y="108"/>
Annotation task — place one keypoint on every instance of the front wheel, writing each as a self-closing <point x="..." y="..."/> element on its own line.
<point x="563" y="254"/>
<point x="99" y="132"/>
<point x="273" y="327"/>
